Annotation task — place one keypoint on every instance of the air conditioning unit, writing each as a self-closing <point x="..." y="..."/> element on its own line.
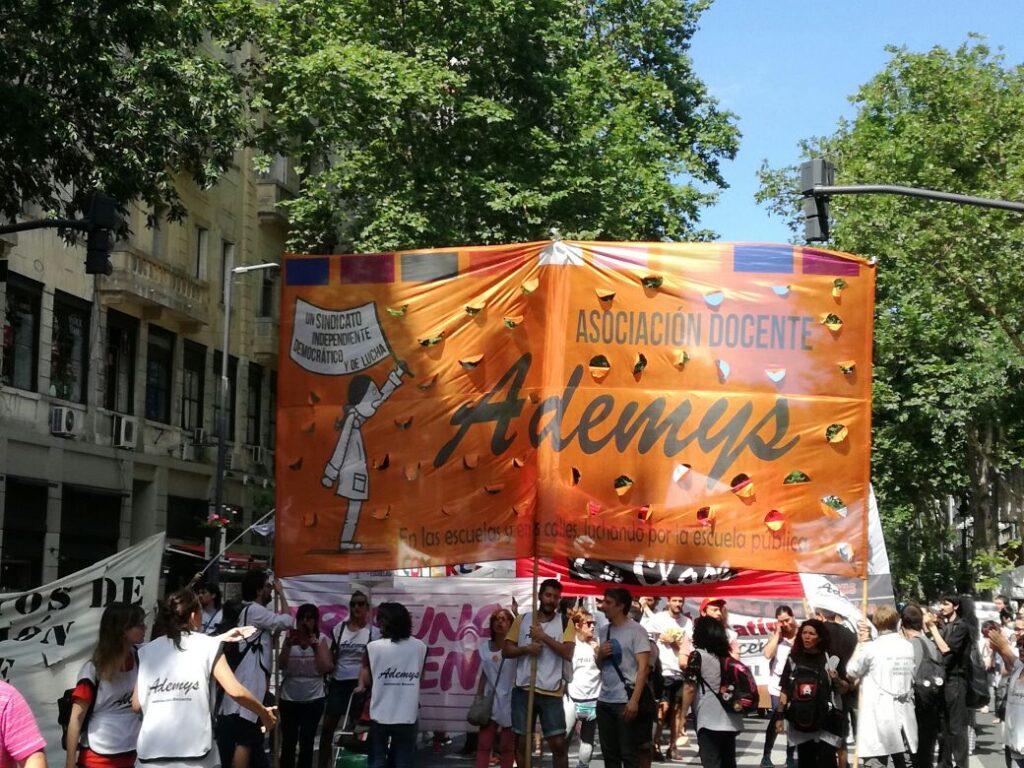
<point x="186" y="451"/>
<point x="199" y="436"/>
<point x="62" y="421"/>
<point x="124" y="431"/>
<point x="231" y="461"/>
<point x="256" y="455"/>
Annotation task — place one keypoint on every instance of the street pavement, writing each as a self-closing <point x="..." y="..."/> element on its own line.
<point x="988" y="751"/>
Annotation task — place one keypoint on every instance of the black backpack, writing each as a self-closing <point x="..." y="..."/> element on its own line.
<point x="810" y="702"/>
<point x="64" y="715"/>
<point x="929" y="677"/>
<point x="977" y="680"/>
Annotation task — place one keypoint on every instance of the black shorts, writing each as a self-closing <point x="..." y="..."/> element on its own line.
<point x="671" y="691"/>
<point x="239" y="731"/>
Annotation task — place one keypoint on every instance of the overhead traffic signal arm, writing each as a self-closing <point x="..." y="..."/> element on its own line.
<point x="816" y="185"/>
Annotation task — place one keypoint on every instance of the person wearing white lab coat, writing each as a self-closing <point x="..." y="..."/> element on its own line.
<point x="885" y="668"/>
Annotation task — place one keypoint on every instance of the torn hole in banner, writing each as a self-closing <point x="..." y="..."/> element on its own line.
<point x="834" y="507"/>
<point x="309" y="429"/>
<point x="427" y="383"/>
<point x="847" y="367"/>
<point x="742" y="486"/>
<point x="706" y="516"/>
<point x="623" y="485"/>
<point x="774" y="520"/>
<point x="297" y="464"/>
<point x="640" y="365"/>
<point x="404" y="422"/>
<point x="309" y="519"/>
<point x="795" y="477"/>
<point x="512" y="321"/>
<point x="519" y="462"/>
<point x="682" y="358"/>
<point x="599" y="367"/>
<point x="604" y="294"/>
<point x="381" y="513"/>
<point x="652" y="282"/>
<point x="470" y="460"/>
<point x="838" y="285"/>
<point x="714" y="299"/>
<point x="845" y="551"/>
<point x="475" y="307"/>
<point x="833" y="322"/>
<point x="470" y="361"/>
<point x="643" y="513"/>
<point x="398" y="311"/>
<point x="314" y="398"/>
<point x="724" y="369"/>
<point x="780" y="290"/>
<point x="412" y="471"/>
<point x="382" y="462"/>
<point x="775" y="375"/>
<point x="836" y="433"/>
<point x="680" y="472"/>
<point x="593" y="508"/>
<point x="531" y="285"/>
<point x="494" y="488"/>
<point x="576" y="475"/>
<point x="431" y="341"/>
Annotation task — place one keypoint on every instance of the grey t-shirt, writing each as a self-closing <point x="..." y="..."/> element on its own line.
<point x="630" y="639"/>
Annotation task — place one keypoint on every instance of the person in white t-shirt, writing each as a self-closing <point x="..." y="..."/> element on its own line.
<point x="304" y="660"/>
<point x="672" y="630"/>
<point x="348" y="648"/>
<point x="209" y="598"/>
<point x="173" y="688"/>
<point x="776" y="650"/>
<point x="392" y="671"/>
<point x="238" y="736"/>
<point x="585" y="686"/>
<point x="552" y="640"/>
<point x="103" y="729"/>
<point x="497" y="676"/>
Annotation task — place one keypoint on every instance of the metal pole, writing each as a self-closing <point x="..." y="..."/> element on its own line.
<point x="222" y="414"/>
<point x="928" y="194"/>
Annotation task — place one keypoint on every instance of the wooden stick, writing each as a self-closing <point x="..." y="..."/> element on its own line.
<point x="528" y="738"/>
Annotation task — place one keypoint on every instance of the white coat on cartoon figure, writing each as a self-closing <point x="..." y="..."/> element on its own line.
<point x="348" y="467"/>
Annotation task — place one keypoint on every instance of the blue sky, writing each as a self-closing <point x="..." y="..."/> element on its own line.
<point x="786" y="69"/>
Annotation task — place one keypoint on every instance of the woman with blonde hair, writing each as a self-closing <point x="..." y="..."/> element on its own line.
<point x="173" y="687"/>
<point x="103" y="728"/>
<point x="585" y="686"/>
<point x="499" y="677"/>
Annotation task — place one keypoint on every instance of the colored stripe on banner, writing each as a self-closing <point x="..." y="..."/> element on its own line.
<point x="307" y="271"/>
<point x="427" y="267"/>
<point x="777" y="259"/>
<point x="619" y="257"/>
<point x="822" y="263"/>
<point x="368" y="268"/>
<point x="495" y="261"/>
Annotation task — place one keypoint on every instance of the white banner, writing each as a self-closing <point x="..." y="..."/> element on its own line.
<point x="449" y="615"/>
<point x="334" y="342"/>
<point x="47" y="634"/>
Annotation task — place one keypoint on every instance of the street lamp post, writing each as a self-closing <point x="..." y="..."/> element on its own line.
<point x="225" y="399"/>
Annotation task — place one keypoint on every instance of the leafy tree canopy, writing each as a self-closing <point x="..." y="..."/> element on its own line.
<point x="948" y="402"/>
<point x="116" y="94"/>
<point x="420" y="123"/>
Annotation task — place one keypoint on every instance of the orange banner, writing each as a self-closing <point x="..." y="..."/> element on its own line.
<point x="697" y="403"/>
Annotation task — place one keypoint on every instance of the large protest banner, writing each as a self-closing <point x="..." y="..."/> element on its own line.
<point x="707" y="403"/>
<point x="46" y="635"/>
<point x="450" y="615"/>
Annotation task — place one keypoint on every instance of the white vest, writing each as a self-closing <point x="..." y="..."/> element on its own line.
<point x="395" y="669"/>
<point x="174" y="690"/>
<point x="112" y="728"/>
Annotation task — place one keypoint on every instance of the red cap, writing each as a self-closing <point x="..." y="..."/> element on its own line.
<point x="710" y="601"/>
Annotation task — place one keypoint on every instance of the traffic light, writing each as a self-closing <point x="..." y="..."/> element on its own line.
<point x="97" y="253"/>
<point x="816" y="173"/>
<point x="101" y="220"/>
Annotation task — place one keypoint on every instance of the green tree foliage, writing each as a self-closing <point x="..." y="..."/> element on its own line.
<point x="421" y="123"/>
<point x="948" y="402"/>
<point x="116" y="94"/>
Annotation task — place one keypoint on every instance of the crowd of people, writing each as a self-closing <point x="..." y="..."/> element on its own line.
<point x="645" y="684"/>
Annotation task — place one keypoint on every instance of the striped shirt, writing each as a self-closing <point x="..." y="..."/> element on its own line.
<point x="19" y="734"/>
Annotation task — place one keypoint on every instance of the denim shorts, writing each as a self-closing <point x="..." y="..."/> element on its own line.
<point x="548" y="708"/>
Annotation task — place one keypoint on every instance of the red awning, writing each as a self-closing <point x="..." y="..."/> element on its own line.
<point x="591" y="577"/>
<point x="236" y="559"/>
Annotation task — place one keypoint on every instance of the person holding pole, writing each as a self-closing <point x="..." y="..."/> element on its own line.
<point x="540" y="642"/>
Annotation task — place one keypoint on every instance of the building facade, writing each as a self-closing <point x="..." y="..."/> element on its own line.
<point x="109" y="385"/>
